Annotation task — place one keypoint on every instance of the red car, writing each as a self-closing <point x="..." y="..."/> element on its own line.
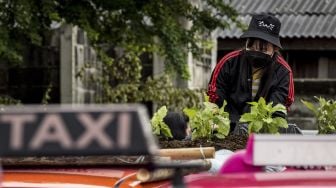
<point x="317" y="174"/>
<point x="123" y="130"/>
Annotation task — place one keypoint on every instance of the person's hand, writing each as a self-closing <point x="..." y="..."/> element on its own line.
<point x="292" y="129"/>
<point x="240" y="129"/>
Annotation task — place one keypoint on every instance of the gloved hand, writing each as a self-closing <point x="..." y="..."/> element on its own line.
<point x="240" y="129"/>
<point x="292" y="129"/>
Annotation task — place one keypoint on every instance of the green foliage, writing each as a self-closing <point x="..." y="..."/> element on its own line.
<point x="158" y="90"/>
<point x="7" y="100"/>
<point x="148" y="26"/>
<point x="161" y="91"/>
<point x="208" y="121"/>
<point x="261" y="120"/>
<point x="46" y="96"/>
<point x="325" y="114"/>
<point x="23" y="23"/>
<point x="137" y="27"/>
<point x="159" y="127"/>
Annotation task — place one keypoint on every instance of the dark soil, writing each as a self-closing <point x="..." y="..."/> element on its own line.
<point x="231" y="142"/>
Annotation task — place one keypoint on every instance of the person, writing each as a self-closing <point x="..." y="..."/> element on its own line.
<point x="178" y="125"/>
<point x="256" y="71"/>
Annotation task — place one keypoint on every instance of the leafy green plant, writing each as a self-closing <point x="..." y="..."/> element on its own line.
<point x="46" y="95"/>
<point x="208" y="121"/>
<point x="7" y="100"/>
<point x="160" y="91"/>
<point x="134" y="30"/>
<point x="325" y="114"/>
<point x="159" y="127"/>
<point x="147" y="26"/>
<point x="261" y="119"/>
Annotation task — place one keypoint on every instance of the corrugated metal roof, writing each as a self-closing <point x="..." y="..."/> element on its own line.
<point x="299" y="18"/>
<point x="284" y="6"/>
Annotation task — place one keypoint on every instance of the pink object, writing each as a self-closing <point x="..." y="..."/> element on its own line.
<point x="241" y="161"/>
<point x="294" y="179"/>
<point x="248" y="158"/>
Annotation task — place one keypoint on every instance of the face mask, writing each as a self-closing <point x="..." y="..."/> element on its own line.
<point x="258" y="59"/>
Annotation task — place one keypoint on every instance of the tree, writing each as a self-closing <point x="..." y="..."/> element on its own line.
<point x="136" y="26"/>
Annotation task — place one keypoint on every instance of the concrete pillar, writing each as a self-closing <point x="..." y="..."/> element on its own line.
<point x="191" y="70"/>
<point x="80" y="82"/>
<point x="158" y="65"/>
<point x="214" y="37"/>
<point x="67" y="40"/>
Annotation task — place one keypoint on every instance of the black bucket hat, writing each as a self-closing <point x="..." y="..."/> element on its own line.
<point x="264" y="26"/>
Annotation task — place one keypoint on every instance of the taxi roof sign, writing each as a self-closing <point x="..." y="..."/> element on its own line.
<point x="55" y="130"/>
<point x="294" y="150"/>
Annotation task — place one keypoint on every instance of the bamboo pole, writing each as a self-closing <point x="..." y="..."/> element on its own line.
<point x="188" y="153"/>
<point x="145" y="175"/>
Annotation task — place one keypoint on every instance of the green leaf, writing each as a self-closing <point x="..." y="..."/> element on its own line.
<point x="260" y="117"/>
<point x="223" y="130"/>
<point x="256" y="126"/>
<point x="268" y="120"/>
<point x="158" y="126"/>
<point x="220" y="136"/>
<point x="253" y="103"/>
<point x="279" y="108"/>
<point x="273" y="129"/>
<point x="156" y="131"/>
<point x="262" y="102"/>
<point x="162" y="112"/>
<point x="247" y="117"/>
<point x="190" y="112"/>
<point x="326" y="115"/>
<point x="280" y="122"/>
<point x="310" y="106"/>
<point x="223" y="107"/>
<point x="206" y="118"/>
<point x="206" y="97"/>
<point x="210" y="106"/>
<point x="166" y="131"/>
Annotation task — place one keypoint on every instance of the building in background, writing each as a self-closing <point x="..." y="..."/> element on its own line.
<point x="308" y="37"/>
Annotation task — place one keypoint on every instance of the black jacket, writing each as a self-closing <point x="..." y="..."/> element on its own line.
<point x="231" y="80"/>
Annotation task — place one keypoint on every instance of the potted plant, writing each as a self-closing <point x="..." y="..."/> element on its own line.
<point x="209" y="121"/>
<point x="210" y="126"/>
<point x="261" y="118"/>
<point x="159" y="127"/>
<point x="325" y="114"/>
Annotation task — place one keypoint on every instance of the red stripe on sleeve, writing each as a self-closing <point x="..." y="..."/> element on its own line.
<point x="212" y="86"/>
<point x="290" y="97"/>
